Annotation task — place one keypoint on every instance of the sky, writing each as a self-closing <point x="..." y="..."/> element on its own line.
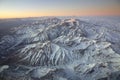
<point x="37" y="8"/>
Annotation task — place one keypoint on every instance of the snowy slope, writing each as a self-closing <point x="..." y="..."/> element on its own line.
<point x="61" y="49"/>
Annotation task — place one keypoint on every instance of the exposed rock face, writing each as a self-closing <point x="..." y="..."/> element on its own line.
<point x="54" y="49"/>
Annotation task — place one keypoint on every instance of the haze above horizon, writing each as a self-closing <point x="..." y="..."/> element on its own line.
<point x="36" y="8"/>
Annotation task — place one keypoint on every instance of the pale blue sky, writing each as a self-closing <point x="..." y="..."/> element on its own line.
<point x="42" y="6"/>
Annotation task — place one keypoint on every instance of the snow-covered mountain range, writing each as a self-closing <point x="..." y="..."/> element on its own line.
<point x="62" y="49"/>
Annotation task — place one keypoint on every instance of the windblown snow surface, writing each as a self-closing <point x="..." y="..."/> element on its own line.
<point x="62" y="49"/>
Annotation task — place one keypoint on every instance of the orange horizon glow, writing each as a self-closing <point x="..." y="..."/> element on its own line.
<point x="70" y="13"/>
<point x="103" y="12"/>
<point x="16" y="11"/>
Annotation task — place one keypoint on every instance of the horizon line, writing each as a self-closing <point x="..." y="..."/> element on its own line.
<point x="62" y="16"/>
